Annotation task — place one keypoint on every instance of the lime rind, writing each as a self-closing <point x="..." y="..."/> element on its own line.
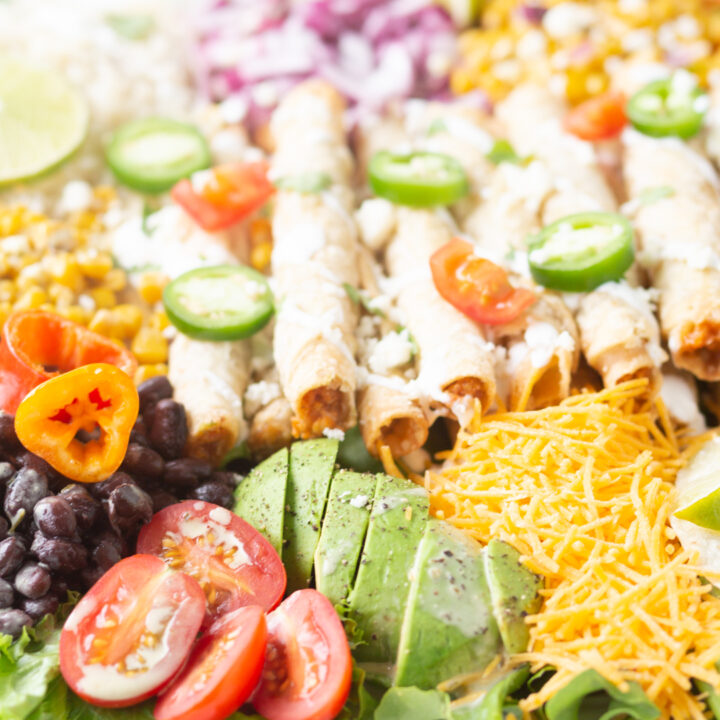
<point x="43" y="121"/>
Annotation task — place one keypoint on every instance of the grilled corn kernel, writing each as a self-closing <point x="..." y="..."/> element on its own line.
<point x="105" y="323"/>
<point x="75" y="313"/>
<point x="104" y="297"/>
<point x="5" y="310"/>
<point x="159" y="320"/>
<point x="59" y="294"/>
<point x="31" y="299"/>
<point x="94" y="264"/>
<point x="145" y="372"/>
<point x="115" y="279"/>
<point x="260" y="256"/>
<point x="151" y="286"/>
<point x="64" y="269"/>
<point x="128" y="318"/>
<point x="150" y="346"/>
<point x="7" y="290"/>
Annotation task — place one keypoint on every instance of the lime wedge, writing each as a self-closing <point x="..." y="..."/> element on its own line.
<point x="43" y="120"/>
<point x="698" y="486"/>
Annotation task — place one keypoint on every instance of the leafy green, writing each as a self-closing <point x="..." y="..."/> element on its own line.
<point x="713" y="694"/>
<point x="493" y="705"/>
<point x="309" y="182"/>
<point x="361" y="703"/>
<point x="589" y="696"/>
<point x="502" y="151"/>
<point x="410" y="703"/>
<point x="359" y="299"/>
<point x="354" y="455"/>
<point x="132" y="27"/>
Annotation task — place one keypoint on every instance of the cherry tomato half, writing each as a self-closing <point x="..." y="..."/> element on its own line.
<point x="477" y="287"/>
<point x="233" y="562"/>
<point x="222" y="672"/>
<point x="598" y="118"/>
<point x="308" y="668"/>
<point x="131" y="633"/>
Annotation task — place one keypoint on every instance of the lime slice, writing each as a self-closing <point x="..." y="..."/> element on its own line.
<point x="43" y="120"/>
<point x="698" y="486"/>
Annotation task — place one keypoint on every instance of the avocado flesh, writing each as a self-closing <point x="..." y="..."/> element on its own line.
<point x="260" y="497"/>
<point x="449" y="628"/>
<point x="343" y="533"/>
<point x="312" y="464"/>
<point x="514" y="593"/>
<point x="379" y="596"/>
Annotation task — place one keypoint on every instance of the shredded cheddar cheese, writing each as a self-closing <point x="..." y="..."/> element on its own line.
<point x="584" y="490"/>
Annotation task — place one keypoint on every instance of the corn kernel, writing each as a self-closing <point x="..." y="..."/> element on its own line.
<point x="7" y="290"/>
<point x="59" y="294"/>
<point x="115" y="279"/>
<point x="159" y="320"/>
<point x="94" y="264"/>
<point x="31" y="299"/>
<point x="151" y="286"/>
<point x="75" y="313"/>
<point x="150" y="346"/>
<point x="260" y="256"/>
<point x="104" y="322"/>
<point x="128" y="318"/>
<point x="64" y="269"/>
<point x="103" y="297"/>
<point x="145" y="372"/>
<point x="5" y="310"/>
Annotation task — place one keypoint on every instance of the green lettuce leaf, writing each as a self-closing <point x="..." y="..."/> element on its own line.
<point x="496" y="703"/>
<point x="362" y="703"/>
<point x="411" y="703"/>
<point x="713" y="694"/>
<point x="589" y="696"/>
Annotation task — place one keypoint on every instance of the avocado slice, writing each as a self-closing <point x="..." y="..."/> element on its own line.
<point x="514" y="593"/>
<point x="343" y="533"/>
<point x="312" y="464"/>
<point x="377" y="601"/>
<point x="448" y="627"/>
<point x="260" y="497"/>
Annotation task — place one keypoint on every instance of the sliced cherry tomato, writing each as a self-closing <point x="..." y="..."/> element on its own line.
<point x="230" y="194"/>
<point x="233" y="562"/>
<point x="308" y="668"/>
<point x="222" y="672"/>
<point x="598" y="118"/>
<point x="131" y="633"/>
<point x="475" y="286"/>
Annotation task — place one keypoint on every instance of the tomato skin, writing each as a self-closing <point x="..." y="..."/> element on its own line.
<point x="261" y="581"/>
<point x="477" y="287"/>
<point x="235" y="192"/>
<point x="308" y="668"/>
<point x="222" y="671"/>
<point x="599" y="118"/>
<point x="122" y="600"/>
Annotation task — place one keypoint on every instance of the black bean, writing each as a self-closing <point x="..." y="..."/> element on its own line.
<point x="186" y="473"/>
<point x="8" y="436"/>
<point x="105" y="555"/>
<point x="6" y="471"/>
<point x="60" y="555"/>
<point x="169" y="431"/>
<point x="12" y="553"/>
<point x="60" y="588"/>
<point x="129" y="507"/>
<point x="89" y="576"/>
<point x="231" y="479"/>
<point x="6" y="594"/>
<point x="39" y="608"/>
<point x="162" y="499"/>
<point x="54" y="517"/>
<point x="4" y="527"/>
<point x="152" y="391"/>
<point x="33" y="462"/>
<point x="32" y="580"/>
<point x="113" y="539"/>
<point x="12" y="622"/>
<point x="138" y="434"/>
<point x="87" y="510"/>
<point x="104" y="489"/>
<point x="143" y="462"/>
<point x="214" y="492"/>
<point x="26" y="489"/>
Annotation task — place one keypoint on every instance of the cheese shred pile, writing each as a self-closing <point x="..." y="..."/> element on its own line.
<point x="584" y="491"/>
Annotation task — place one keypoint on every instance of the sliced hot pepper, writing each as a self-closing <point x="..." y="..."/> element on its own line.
<point x="674" y="106"/>
<point x="420" y="179"/>
<point x="579" y="252"/>
<point x="229" y="194"/>
<point x="476" y="286"/>
<point x="98" y="401"/>
<point x="38" y="345"/>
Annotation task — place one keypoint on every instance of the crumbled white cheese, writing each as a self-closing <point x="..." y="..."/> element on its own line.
<point x="376" y="220"/>
<point x="543" y="340"/>
<point x="334" y="434"/>
<point x="568" y="18"/>
<point x="392" y="351"/>
<point x="200" y="180"/>
<point x="532" y="44"/>
<point x="260" y="394"/>
<point x="229" y="145"/>
<point x="307" y="238"/>
<point x="233" y="109"/>
<point x="77" y="195"/>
